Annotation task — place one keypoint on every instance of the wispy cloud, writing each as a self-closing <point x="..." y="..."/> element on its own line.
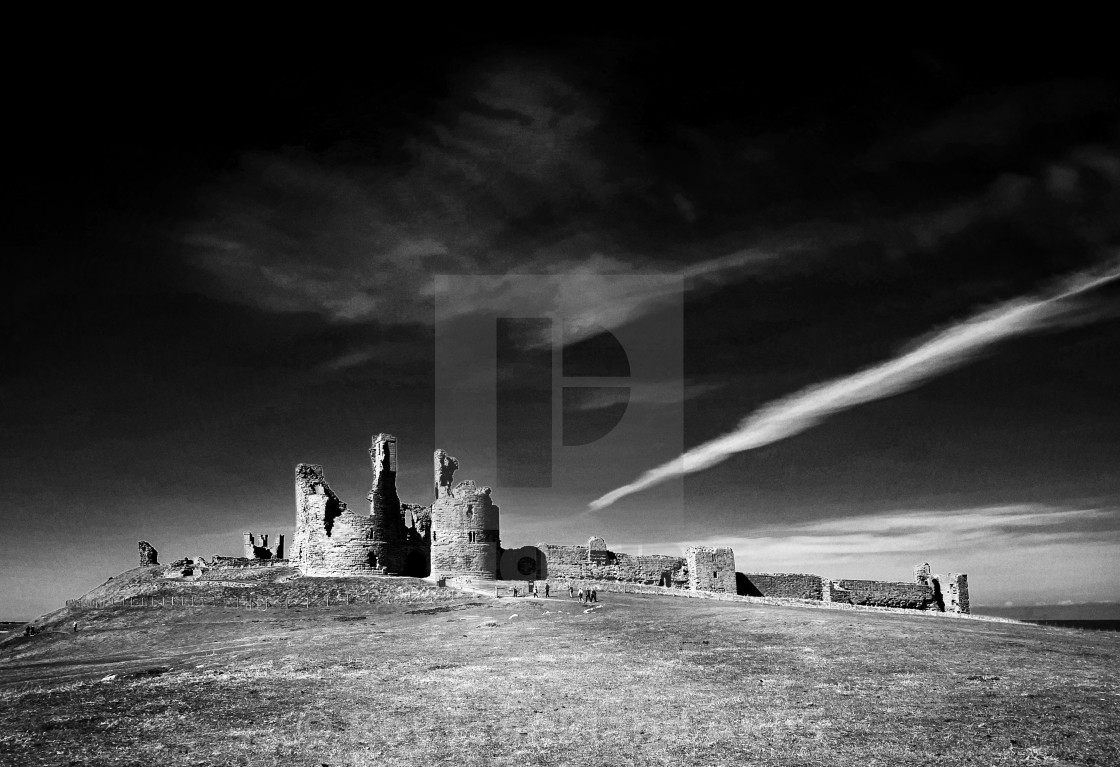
<point x="1021" y="552"/>
<point x="936" y="355"/>
<point x="655" y="393"/>
<point x="921" y="531"/>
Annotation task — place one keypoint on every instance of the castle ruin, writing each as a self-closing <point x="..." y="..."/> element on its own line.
<point x="251" y="549"/>
<point x="331" y="539"/>
<point x="148" y="554"/>
<point x="459" y="537"/>
<point x="465" y="534"/>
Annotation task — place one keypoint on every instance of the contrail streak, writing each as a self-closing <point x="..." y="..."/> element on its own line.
<point x="938" y="354"/>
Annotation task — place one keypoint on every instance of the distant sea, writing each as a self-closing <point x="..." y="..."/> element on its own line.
<point x="1087" y="625"/>
<point x="1097" y="616"/>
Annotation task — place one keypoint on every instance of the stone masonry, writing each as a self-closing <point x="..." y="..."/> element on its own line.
<point x="913" y="596"/>
<point x="925" y="592"/>
<point x="331" y="539"/>
<point x="458" y="536"/>
<point x="710" y="568"/>
<point x="956" y="594"/>
<point x="785" y="585"/>
<point x="595" y="562"/>
<point x="464" y="525"/>
<point x="254" y="549"/>
<point x="148" y="554"/>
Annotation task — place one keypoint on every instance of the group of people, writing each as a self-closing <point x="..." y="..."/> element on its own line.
<point x="531" y="590"/>
<point x="584" y="595"/>
<point x="31" y="630"/>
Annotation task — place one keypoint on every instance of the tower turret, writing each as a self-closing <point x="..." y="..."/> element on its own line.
<point x="464" y="525"/>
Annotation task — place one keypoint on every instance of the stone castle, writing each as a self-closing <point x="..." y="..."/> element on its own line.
<point x="458" y="537"/>
<point x="393" y="539"/>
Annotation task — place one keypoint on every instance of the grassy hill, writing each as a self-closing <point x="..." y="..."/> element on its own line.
<point x="433" y="676"/>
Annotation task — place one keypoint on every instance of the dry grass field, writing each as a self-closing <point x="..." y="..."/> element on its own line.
<point x="641" y="680"/>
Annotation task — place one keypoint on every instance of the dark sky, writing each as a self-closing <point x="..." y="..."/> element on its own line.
<point x="219" y="266"/>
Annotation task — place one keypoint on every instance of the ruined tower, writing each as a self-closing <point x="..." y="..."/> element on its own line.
<point x="331" y="539"/>
<point x="385" y="506"/>
<point x="464" y="525"/>
<point x="956" y="597"/>
<point x="711" y="569"/>
<point x="148" y="554"/>
<point x="328" y="535"/>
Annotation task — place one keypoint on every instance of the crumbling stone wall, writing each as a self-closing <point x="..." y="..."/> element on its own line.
<point x="332" y="540"/>
<point x="956" y="595"/>
<point x="596" y="562"/>
<point x="148" y="554"/>
<point x="445" y="468"/>
<point x="912" y="596"/>
<point x="711" y="568"/>
<point x="464" y="525"/>
<point x="784" y="585"/>
<point x="322" y="544"/>
<point x="951" y="593"/>
<point x="925" y="593"/>
<point x="252" y="549"/>
<point x="393" y="548"/>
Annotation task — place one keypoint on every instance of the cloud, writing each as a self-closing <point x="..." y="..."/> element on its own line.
<point x="918" y="531"/>
<point x="936" y="355"/>
<point x="998" y="123"/>
<point x="1013" y="552"/>
<point x="353" y="237"/>
<point x="649" y="393"/>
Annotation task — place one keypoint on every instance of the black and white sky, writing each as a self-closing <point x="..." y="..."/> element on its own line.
<point x="222" y="265"/>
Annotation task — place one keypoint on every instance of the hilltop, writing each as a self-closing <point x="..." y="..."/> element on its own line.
<point x="430" y="675"/>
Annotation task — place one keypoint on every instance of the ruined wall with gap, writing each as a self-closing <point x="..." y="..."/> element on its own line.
<point x="596" y="562"/>
<point x="331" y="539"/>
<point x="464" y="525"/>
<point x="711" y="568"/>
<point x="784" y="585"/>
